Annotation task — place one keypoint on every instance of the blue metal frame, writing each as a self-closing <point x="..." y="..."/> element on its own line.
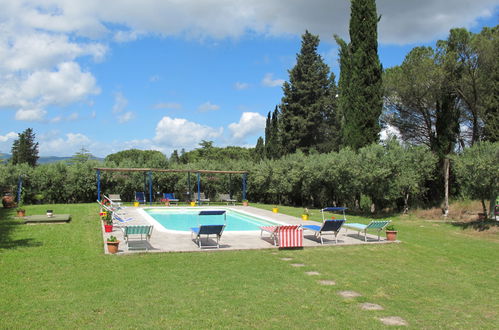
<point x="98" y="185"/>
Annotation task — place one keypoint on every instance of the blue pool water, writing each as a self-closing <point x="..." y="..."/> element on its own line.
<point x="185" y="219"/>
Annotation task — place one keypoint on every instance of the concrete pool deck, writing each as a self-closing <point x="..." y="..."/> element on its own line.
<point x="175" y="241"/>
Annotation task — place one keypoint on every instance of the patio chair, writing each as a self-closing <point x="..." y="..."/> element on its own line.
<point x="284" y="235"/>
<point x="140" y="197"/>
<point x="114" y="200"/>
<point x="226" y="198"/>
<point x="171" y="198"/>
<point x="207" y="230"/>
<point x="143" y="231"/>
<point x="378" y="225"/>
<point x="119" y="219"/>
<point x="328" y="226"/>
<point x="202" y="198"/>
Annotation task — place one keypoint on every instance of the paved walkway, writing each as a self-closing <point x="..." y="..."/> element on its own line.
<point x="174" y="241"/>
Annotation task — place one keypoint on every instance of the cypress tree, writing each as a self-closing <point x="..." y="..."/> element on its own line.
<point x="259" y="149"/>
<point x="24" y="149"/>
<point x="361" y="101"/>
<point x="305" y="99"/>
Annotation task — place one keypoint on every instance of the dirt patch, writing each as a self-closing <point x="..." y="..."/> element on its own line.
<point x="326" y="282"/>
<point x="371" y="307"/>
<point x="298" y="265"/>
<point x="393" y="320"/>
<point x="286" y="259"/>
<point x="349" y="294"/>
<point x="463" y="211"/>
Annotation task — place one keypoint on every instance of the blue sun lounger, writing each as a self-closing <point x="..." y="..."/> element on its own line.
<point x="171" y="198"/>
<point x="208" y="230"/>
<point x="140" y="197"/>
<point x="328" y="226"/>
<point x="379" y="225"/>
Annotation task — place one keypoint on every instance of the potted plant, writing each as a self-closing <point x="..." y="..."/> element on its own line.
<point x="245" y="202"/>
<point x="305" y="214"/>
<point x="166" y="201"/>
<point x="50" y="213"/>
<point x="108" y="223"/>
<point x="193" y="203"/>
<point x="391" y="233"/>
<point x="112" y="244"/>
<point x="275" y="209"/>
<point x="21" y="212"/>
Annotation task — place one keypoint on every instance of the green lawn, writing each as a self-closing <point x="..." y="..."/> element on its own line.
<point x="56" y="276"/>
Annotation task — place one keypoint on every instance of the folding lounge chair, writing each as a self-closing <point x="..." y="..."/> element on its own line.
<point x="208" y="230"/>
<point x="202" y="198"/>
<point x="328" y="226"/>
<point x="379" y="225"/>
<point x="226" y="198"/>
<point x="140" y="197"/>
<point x="171" y="198"/>
<point x="120" y="219"/>
<point x="335" y="210"/>
<point x="144" y="231"/>
<point x="115" y="199"/>
<point x="284" y="235"/>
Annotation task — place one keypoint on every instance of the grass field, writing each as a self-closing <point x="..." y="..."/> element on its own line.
<point x="56" y="276"/>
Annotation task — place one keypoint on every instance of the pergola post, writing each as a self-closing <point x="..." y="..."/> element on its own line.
<point x="199" y="188"/>
<point x="150" y="188"/>
<point x="244" y="186"/>
<point x="98" y="184"/>
<point x="19" y="189"/>
<point x="189" y="186"/>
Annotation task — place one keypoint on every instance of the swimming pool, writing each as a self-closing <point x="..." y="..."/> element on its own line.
<point x="185" y="219"/>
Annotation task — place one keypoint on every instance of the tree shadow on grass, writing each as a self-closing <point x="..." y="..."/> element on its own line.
<point x="479" y="225"/>
<point x="7" y="227"/>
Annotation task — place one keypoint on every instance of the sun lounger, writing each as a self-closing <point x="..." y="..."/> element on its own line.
<point x="140" y="197"/>
<point x="328" y="226"/>
<point x="171" y="198"/>
<point x="284" y="235"/>
<point x="377" y="225"/>
<point x="202" y="198"/>
<point x="226" y="199"/>
<point x="143" y="231"/>
<point x="208" y="230"/>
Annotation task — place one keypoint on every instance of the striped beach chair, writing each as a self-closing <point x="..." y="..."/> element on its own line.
<point x="285" y="235"/>
<point x="377" y="225"/>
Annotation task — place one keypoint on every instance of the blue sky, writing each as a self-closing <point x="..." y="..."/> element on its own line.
<point x="164" y="75"/>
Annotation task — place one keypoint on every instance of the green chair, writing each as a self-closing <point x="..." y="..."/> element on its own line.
<point x="143" y="231"/>
<point x="377" y="225"/>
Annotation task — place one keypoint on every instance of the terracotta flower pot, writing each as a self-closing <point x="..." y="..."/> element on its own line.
<point x="391" y="235"/>
<point x="21" y="213"/>
<point x="112" y="247"/>
<point x="245" y="203"/>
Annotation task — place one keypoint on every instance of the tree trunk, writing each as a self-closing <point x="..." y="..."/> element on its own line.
<point x="406" y="203"/>
<point x="446" y="169"/>
<point x="485" y="210"/>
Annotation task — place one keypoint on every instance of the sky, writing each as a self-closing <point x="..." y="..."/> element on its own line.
<point x="113" y="75"/>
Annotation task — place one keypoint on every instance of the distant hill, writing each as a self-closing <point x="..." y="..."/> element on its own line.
<point x="45" y="160"/>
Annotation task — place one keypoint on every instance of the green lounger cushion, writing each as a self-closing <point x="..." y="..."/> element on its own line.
<point x="42" y="218"/>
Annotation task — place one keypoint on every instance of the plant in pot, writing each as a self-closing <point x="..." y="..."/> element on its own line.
<point x="112" y="244"/>
<point x="108" y="223"/>
<point x="275" y="209"/>
<point x="391" y="233"/>
<point x="305" y="214"/>
<point x="21" y="212"/>
<point x="245" y="202"/>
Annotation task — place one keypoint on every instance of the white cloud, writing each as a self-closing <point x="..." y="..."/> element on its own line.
<point x="53" y="145"/>
<point x="124" y="117"/>
<point x="120" y="103"/>
<point x="268" y="81"/>
<point x="388" y="132"/>
<point x="168" y="105"/>
<point x="154" y="78"/>
<point x="208" y="106"/>
<point x="8" y="136"/>
<point x="249" y="124"/>
<point x="241" y="85"/>
<point x="181" y="133"/>
<point x="31" y="115"/>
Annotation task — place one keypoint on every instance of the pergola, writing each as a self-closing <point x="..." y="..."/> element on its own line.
<point x="151" y="170"/>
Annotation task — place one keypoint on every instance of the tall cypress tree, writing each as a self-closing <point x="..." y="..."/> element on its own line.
<point x="24" y="149"/>
<point x="306" y="99"/>
<point x="361" y="99"/>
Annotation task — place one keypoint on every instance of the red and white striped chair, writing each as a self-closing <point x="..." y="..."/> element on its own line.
<point x="285" y="235"/>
